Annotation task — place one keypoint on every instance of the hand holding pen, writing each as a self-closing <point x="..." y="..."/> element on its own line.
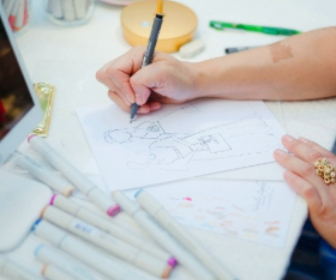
<point x="148" y="57"/>
<point x="165" y="80"/>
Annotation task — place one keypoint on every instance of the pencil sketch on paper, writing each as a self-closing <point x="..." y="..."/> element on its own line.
<point x="248" y="210"/>
<point x="151" y="143"/>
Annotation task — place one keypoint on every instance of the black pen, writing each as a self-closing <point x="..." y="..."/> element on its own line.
<point x="237" y="49"/>
<point x="156" y="27"/>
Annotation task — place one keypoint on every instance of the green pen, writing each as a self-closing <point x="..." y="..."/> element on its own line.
<point x="254" y="28"/>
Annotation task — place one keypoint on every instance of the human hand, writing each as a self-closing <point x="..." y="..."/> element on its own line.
<point x="302" y="177"/>
<point x="165" y="80"/>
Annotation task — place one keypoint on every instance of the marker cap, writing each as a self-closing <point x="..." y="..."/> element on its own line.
<point x="65" y="203"/>
<point x="127" y="205"/>
<point x="104" y="201"/>
<point x="39" y="145"/>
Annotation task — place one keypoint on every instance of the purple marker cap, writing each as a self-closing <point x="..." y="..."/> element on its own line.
<point x="53" y="199"/>
<point x="30" y="137"/>
<point x="113" y="210"/>
<point x="172" y="262"/>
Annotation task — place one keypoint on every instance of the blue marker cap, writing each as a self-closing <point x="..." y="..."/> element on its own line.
<point x="36" y="223"/>
<point x="38" y="248"/>
<point x="138" y="192"/>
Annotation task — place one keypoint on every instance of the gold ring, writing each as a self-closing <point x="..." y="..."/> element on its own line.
<point x="325" y="170"/>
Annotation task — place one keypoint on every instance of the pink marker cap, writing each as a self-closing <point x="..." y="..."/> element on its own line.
<point x="172" y="262"/>
<point x="53" y="199"/>
<point x="113" y="210"/>
<point x="30" y="137"/>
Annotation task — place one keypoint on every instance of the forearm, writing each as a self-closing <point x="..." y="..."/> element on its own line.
<point x="299" y="67"/>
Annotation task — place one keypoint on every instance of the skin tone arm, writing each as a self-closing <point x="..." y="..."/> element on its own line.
<point x="299" y="67"/>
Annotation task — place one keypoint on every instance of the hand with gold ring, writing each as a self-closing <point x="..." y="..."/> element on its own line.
<point x="309" y="172"/>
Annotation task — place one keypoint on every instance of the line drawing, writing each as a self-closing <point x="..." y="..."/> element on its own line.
<point x="150" y="143"/>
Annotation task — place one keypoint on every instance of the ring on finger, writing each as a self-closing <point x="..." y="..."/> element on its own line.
<point x="325" y="170"/>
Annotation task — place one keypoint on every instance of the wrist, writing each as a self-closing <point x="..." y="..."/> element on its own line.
<point x="198" y="80"/>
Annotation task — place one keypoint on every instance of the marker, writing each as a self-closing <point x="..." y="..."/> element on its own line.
<point x="254" y="28"/>
<point x="45" y="175"/>
<point x="20" y="15"/>
<point x="184" y="257"/>
<point x="88" y="216"/>
<point x="148" y="57"/>
<point x="162" y="216"/>
<point x="51" y="272"/>
<point x="49" y="255"/>
<point x="235" y="50"/>
<point x="74" y="176"/>
<point x="14" y="271"/>
<point x="84" y="252"/>
<point x="107" y="242"/>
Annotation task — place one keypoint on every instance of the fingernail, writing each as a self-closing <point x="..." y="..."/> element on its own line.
<point x="288" y="175"/>
<point x="130" y="98"/>
<point x="138" y="99"/>
<point x="288" y="138"/>
<point x="279" y="152"/>
<point x="143" y="110"/>
<point x="155" y="106"/>
<point x="304" y="140"/>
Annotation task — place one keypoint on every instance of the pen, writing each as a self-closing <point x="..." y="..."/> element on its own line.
<point x="156" y="27"/>
<point x="54" y="256"/>
<point x="107" y="242"/>
<point x="98" y="221"/>
<point x="51" y="272"/>
<point x="161" y="236"/>
<point x="96" y="195"/>
<point x="254" y="28"/>
<point x="14" y="271"/>
<point x="76" y="247"/>
<point x="237" y="49"/>
<point x="162" y="216"/>
<point x="45" y="175"/>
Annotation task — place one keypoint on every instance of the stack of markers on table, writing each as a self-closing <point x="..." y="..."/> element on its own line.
<point x="91" y="245"/>
<point x="69" y="12"/>
<point x="17" y="12"/>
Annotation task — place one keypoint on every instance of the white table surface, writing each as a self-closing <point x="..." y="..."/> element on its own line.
<point x="69" y="58"/>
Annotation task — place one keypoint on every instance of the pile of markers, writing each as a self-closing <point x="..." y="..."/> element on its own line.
<point x="84" y="244"/>
<point x="17" y="12"/>
<point x="69" y="11"/>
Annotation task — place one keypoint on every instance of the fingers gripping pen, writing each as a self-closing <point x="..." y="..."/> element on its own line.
<point x="148" y="57"/>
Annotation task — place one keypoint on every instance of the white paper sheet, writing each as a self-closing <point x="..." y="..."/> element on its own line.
<point x="179" y="141"/>
<point x="259" y="211"/>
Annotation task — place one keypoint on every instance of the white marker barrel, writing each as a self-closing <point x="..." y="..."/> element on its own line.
<point x="14" y="271"/>
<point x="97" y="196"/>
<point x="45" y="175"/>
<point x="51" y="272"/>
<point x="107" y="242"/>
<point x="49" y="255"/>
<point x="184" y="257"/>
<point x="88" y="216"/>
<point x="161" y="215"/>
<point x="80" y="250"/>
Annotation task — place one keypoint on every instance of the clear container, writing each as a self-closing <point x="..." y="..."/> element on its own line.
<point x="69" y="12"/>
<point x="18" y="13"/>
